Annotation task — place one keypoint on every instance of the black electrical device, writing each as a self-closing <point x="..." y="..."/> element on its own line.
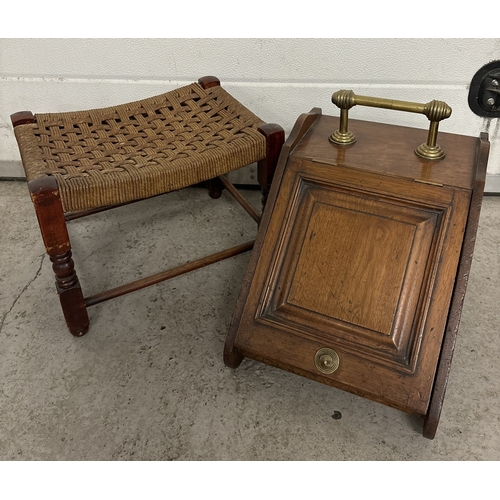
<point x="484" y="92"/>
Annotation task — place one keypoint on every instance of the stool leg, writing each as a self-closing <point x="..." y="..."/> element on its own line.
<point x="214" y="187"/>
<point x="45" y="195"/>
<point x="209" y="81"/>
<point x="275" y="137"/>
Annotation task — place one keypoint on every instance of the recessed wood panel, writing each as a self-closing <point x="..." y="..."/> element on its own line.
<point x="352" y="266"/>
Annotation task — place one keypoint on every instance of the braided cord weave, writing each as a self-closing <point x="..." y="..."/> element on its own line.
<point x="133" y="151"/>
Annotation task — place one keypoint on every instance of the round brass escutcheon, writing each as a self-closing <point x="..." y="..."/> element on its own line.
<point x="326" y="360"/>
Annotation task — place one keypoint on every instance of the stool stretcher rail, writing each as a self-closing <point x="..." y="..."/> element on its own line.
<point x="168" y="274"/>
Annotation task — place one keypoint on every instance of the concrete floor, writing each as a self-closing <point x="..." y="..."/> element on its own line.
<point x="148" y="382"/>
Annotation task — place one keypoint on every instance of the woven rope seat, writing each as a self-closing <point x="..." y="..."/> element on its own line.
<point x="84" y="162"/>
<point x="133" y="151"/>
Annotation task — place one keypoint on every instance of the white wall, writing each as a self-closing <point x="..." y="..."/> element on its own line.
<point x="277" y="78"/>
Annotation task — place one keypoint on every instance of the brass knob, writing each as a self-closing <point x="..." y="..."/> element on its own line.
<point x="326" y="360"/>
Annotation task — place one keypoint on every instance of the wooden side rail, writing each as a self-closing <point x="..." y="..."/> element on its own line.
<point x="170" y="273"/>
<point x="240" y="199"/>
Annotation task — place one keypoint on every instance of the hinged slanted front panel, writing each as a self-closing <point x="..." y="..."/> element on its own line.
<point x="351" y="262"/>
<point x="354" y="267"/>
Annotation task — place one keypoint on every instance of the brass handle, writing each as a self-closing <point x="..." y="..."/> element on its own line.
<point x="434" y="110"/>
<point x="326" y="360"/>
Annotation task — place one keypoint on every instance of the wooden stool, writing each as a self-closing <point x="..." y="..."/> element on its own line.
<point x="80" y="163"/>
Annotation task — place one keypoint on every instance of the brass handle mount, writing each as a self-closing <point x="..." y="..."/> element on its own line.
<point x="434" y="110"/>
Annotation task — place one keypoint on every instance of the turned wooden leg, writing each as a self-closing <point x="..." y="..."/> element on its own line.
<point x="214" y="187"/>
<point x="45" y="195"/>
<point x="275" y="137"/>
<point x="209" y="81"/>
